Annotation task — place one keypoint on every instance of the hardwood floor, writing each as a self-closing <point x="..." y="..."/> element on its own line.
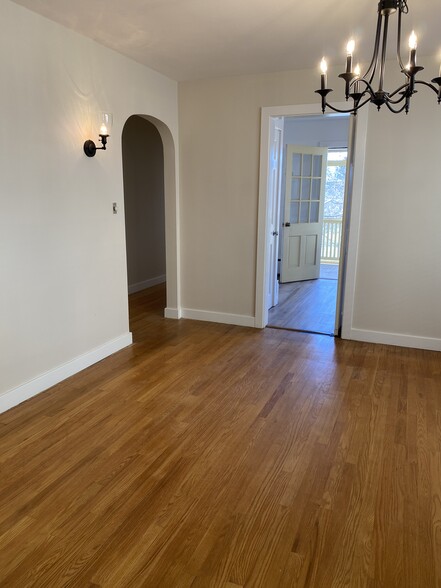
<point x="329" y="271"/>
<point x="306" y="306"/>
<point x="210" y="455"/>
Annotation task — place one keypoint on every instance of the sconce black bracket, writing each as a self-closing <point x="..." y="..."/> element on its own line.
<point x="90" y="148"/>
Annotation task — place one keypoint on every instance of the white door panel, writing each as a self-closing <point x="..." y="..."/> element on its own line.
<point x="303" y="214"/>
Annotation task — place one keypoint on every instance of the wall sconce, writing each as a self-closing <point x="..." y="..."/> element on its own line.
<point x="106" y="126"/>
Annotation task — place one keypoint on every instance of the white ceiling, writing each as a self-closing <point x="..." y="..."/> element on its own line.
<point x="197" y="39"/>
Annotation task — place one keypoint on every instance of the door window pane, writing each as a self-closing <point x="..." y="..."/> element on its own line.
<point x="314" y="212"/>
<point x="295" y="189"/>
<point x="317" y="166"/>
<point x="296" y="162"/>
<point x="307" y="165"/>
<point x="294" y="212"/>
<point x="306" y="188"/>
<point x="316" y="185"/>
<point x="304" y="212"/>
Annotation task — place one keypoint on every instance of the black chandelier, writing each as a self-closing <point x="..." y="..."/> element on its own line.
<point x="361" y="88"/>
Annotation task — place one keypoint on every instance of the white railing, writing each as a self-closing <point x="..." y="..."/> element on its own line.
<point x="331" y="239"/>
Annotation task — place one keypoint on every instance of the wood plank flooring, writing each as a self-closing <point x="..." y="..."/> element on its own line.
<point x="307" y="306"/>
<point x="217" y="456"/>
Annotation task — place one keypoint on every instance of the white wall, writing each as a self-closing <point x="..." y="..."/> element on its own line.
<point x="329" y="131"/>
<point x="63" y="295"/>
<point x="219" y="131"/>
<point x="397" y="277"/>
<point x="143" y="168"/>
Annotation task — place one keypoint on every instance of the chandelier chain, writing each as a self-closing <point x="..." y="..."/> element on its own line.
<point x="403" y="6"/>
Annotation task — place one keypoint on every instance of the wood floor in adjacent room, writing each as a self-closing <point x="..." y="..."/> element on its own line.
<point x="308" y="305"/>
<point x="217" y="456"/>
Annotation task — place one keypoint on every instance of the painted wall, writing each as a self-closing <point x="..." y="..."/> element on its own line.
<point x="63" y="296"/>
<point x="397" y="276"/>
<point x="219" y="131"/>
<point x="143" y="167"/>
<point x="329" y="131"/>
<point x="399" y="279"/>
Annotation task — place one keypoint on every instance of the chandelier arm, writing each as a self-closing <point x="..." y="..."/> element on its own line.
<point x="399" y="100"/>
<point x="422" y="82"/>
<point x="373" y="63"/>
<point x="350" y="110"/>
<point x="404" y="96"/>
<point x="369" y="88"/>
<point x="400" y="89"/>
<point x="393" y="109"/>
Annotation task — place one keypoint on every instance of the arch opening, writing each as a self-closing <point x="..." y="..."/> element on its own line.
<point x="151" y="206"/>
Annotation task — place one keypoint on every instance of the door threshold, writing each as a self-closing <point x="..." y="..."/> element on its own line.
<point x="300" y="331"/>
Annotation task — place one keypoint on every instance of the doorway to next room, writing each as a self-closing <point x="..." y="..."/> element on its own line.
<point x="310" y="198"/>
<point x="144" y="209"/>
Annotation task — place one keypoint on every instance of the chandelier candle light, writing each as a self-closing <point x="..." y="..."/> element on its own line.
<point x="361" y="88"/>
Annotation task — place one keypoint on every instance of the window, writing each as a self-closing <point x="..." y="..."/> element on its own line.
<point x="333" y="207"/>
<point x="335" y="183"/>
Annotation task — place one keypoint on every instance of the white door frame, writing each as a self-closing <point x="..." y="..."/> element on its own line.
<point x="359" y="152"/>
<point x="274" y="190"/>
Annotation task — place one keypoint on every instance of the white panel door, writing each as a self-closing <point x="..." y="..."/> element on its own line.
<point x="274" y="180"/>
<point x="303" y="214"/>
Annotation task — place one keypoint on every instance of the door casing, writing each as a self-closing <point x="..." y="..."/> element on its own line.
<point x="356" y="158"/>
<point x="274" y="186"/>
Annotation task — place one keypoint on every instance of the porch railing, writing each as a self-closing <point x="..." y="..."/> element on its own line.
<point x="331" y="239"/>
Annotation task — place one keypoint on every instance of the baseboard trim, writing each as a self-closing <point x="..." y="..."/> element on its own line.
<point x="172" y="313"/>
<point x="25" y="391"/>
<point x="400" y="340"/>
<point x="241" y="320"/>
<point x="146" y="284"/>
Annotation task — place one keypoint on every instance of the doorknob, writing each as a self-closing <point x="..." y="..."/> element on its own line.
<point x="275" y="233"/>
<point x="287" y="224"/>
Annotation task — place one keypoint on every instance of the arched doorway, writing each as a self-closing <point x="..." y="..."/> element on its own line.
<point x="150" y="195"/>
<point x="144" y="204"/>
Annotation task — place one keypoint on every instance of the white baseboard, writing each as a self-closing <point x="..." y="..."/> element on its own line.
<point x="172" y="313"/>
<point x="395" y="339"/>
<point x="242" y="320"/>
<point x="17" y="395"/>
<point x="146" y="284"/>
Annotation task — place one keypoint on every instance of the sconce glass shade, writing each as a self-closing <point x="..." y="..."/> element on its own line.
<point x="106" y="123"/>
